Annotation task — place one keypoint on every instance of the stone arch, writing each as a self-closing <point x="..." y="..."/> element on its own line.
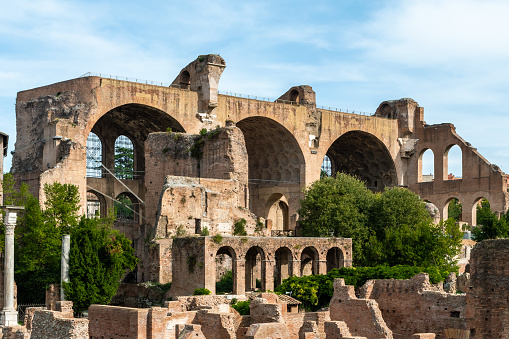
<point x="477" y="202"/>
<point x="276" y="163"/>
<point x="335" y="258"/>
<point x="94" y="156"/>
<point x="426" y="163"/>
<point x="135" y="121"/>
<point x="365" y="156"/>
<point x="284" y="265"/>
<point x="446" y="210"/>
<point x="126" y="207"/>
<point x="309" y="261"/>
<point x="453" y="155"/>
<point x="185" y="79"/>
<point x="255" y="269"/>
<point x="277" y="212"/>
<point x="294" y="95"/>
<point x="96" y="204"/>
<point x="225" y="261"/>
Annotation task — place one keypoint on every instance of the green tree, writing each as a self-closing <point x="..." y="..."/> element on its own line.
<point x="98" y="258"/>
<point x="489" y="226"/>
<point x="454" y="210"/>
<point x="391" y="228"/>
<point x="124" y="162"/>
<point x="337" y="207"/>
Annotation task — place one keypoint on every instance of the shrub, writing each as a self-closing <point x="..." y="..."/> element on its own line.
<point x="240" y="227"/>
<point x="201" y="291"/>
<point x="218" y="238"/>
<point x="225" y="284"/>
<point x="205" y="232"/>
<point x="315" y="291"/>
<point x="242" y="307"/>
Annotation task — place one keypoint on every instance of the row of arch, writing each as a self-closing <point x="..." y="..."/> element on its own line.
<point x="452" y="164"/>
<point x="284" y="265"/>
<point x="460" y="211"/>
<point x="126" y="206"/>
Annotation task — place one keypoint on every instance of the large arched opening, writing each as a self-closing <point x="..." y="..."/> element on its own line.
<point x="335" y="258"/>
<point x="283" y="267"/>
<point x="226" y="273"/>
<point x="116" y="153"/>
<point x="453" y="163"/>
<point x="275" y="163"/>
<point x="365" y="156"/>
<point x="255" y="269"/>
<point x="309" y="261"/>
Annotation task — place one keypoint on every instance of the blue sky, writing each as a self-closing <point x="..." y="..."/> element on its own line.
<point x="451" y="56"/>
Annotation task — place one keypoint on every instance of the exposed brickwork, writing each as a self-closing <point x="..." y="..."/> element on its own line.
<point x="52" y="324"/>
<point x="487" y="296"/>
<point x="412" y="306"/>
<point x="362" y="316"/>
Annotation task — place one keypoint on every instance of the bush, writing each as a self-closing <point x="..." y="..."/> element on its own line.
<point x="225" y="284"/>
<point x="242" y="306"/>
<point x="240" y="227"/>
<point x="315" y="291"/>
<point x="201" y="291"/>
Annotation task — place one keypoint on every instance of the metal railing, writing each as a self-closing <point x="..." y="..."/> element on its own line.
<point x="283" y="233"/>
<point x="94" y="172"/>
<point x="232" y="94"/>
<point x="22" y="310"/>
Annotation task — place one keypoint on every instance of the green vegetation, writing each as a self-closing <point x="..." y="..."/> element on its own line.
<point x="217" y="239"/>
<point x="454" y="210"/>
<point x="96" y="249"/>
<point x="489" y="225"/>
<point x="124" y="162"/>
<point x="99" y="257"/>
<point x="205" y="232"/>
<point x="241" y="306"/>
<point x="225" y="284"/>
<point x="315" y="291"/>
<point x="391" y="228"/>
<point x="240" y="227"/>
<point x="201" y="291"/>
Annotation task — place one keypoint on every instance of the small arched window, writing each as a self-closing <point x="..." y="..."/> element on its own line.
<point x="94" y="156"/>
<point x="453" y="163"/>
<point x="426" y="166"/>
<point x="124" y="158"/>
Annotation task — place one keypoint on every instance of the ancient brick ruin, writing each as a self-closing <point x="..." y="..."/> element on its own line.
<point x="197" y="163"/>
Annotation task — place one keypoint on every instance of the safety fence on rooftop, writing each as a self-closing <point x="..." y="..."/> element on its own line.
<point x="232" y="94"/>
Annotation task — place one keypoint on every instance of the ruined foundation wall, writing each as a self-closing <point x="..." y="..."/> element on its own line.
<point x="411" y="306"/>
<point x="487" y="296"/>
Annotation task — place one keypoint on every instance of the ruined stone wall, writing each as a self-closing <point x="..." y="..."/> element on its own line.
<point x="411" y="306"/>
<point x="296" y="321"/>
<point x="487" y="296"/>
<point x="194" y="259"/>
<point x="221" y="154"/>
<point x="480" y="178"/>
<point x="363" y="316"/>
<point x="117" y="322"/>
<point x="52" y="324"/>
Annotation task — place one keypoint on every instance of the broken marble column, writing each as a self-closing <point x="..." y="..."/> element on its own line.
<point x="64" y="267"/>
<point x="9" y="315"/>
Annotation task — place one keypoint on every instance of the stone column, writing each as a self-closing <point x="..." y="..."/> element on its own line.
<point x="64" y="267"/>
<point x="9" y="315"/>
<point x="239" y="285"/>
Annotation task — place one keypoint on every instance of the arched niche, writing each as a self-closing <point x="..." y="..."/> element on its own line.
<point x="255" y="269"/>
<point x="278" y="212"/>
<point x="284" y="265"/>
<point x="309" y="261"/>
<point x="479" y="203"/>
<point x="126" y="207"/>
<point x="335" y="258"/>
<point x="363" y="155"/>
<point x="225" y="268"/>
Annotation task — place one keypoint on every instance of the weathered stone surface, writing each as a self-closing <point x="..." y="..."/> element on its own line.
<point x="415" y="306"/>
<point x="362" y="316"/>
<point x="267" y="331"/>
<point x="51" y="324"/>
